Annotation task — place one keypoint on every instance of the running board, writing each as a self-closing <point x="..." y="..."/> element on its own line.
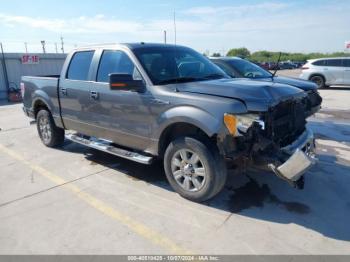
<point x="106" y="146"/>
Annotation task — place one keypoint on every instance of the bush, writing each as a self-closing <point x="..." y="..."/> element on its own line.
<point x="240" y="52"/>
<point x="268" y="56"/>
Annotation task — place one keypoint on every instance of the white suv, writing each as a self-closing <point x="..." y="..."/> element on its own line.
<point x="327" y="71"/>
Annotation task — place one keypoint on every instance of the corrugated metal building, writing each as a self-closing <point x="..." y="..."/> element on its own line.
<point x="19" y="64"/>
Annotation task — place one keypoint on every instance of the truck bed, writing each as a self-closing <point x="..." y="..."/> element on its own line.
<point x="42" y="86"/>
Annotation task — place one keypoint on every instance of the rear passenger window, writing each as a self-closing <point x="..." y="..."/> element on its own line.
<point x="80" y="65"/>
<point x="115" y="62"/>
<point x="333" y="62"/>
<point x="318" y="63"/>
<point x="346" y="62"/>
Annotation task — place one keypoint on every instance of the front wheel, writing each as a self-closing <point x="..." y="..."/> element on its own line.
<point x="50" y="134"/>
<point x="193" y="170"/>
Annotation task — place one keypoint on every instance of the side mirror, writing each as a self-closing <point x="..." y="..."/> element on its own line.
<point x="125" y="82"/>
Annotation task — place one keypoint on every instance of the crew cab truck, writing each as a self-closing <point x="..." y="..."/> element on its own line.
<point x="151" y="101"/>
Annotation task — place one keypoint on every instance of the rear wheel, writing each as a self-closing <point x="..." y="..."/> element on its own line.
<point x="193" y="170"/>
<point x="318" y="80"/>
<point x="50" y="134"/>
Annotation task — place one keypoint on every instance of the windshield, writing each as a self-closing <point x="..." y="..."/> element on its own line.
<point x="248" y="69"/>
<point x="166" y="65"/>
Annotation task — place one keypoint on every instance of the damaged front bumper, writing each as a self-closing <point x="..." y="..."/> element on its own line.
<point x="298" y="158"/>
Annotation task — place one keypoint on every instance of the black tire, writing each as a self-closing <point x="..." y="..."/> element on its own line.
<point x="50" y="134"/>
<point x="210" y="162"/>
<point x="319" y="81"/>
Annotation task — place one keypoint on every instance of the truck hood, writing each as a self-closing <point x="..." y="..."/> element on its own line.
<point x="256" y="95"/>
<point x="299" y="83"/>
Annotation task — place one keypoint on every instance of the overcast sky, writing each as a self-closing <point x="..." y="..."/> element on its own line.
<point x="300" y="26"/>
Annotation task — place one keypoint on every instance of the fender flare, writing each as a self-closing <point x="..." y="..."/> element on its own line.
<point x="42" y="97"/>
<point x="188" y="115"/>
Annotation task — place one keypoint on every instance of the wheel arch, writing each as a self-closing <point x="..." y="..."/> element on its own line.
<point x="38" y="104"/>
<point x="41" y="100"/>
<point x="318" y="74"/>
<point x="184" y="120"/>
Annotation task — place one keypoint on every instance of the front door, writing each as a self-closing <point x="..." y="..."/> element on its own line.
<point x="334" y="71"/>
<point x="122" y="116"/>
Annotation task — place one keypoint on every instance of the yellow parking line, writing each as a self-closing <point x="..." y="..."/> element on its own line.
<point x="137" y="227"/>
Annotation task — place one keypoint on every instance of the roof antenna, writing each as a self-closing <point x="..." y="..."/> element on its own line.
<point x="276" y="68"/>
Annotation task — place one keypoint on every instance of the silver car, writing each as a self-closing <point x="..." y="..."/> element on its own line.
<point x="327" y="71"/>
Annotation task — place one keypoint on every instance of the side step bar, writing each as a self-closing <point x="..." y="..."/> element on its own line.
<point x="106" y="146"/>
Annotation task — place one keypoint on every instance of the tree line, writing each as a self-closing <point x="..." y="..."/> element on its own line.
<point x="268" y="56"/>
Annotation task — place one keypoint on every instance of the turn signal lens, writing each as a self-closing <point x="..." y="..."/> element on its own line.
<point x="231" y="123"/>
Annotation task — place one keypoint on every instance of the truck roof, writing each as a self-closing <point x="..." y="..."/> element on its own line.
<point x="226" y="58"/>
<point x="129" y="45"/>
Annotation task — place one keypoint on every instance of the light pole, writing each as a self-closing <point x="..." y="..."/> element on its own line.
<point x="62" y="45"/>
<point x="43" y="44"/>
<point x="4" y="70"/>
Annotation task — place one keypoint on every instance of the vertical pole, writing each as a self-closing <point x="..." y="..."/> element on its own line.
<point x="26" y="47"/>
<point x="62" y="45"/>
<point x="43" y="44"/>
<point x="175" y="26"/>
<point x="164" y="36"/>
<point x="4" y="69"/>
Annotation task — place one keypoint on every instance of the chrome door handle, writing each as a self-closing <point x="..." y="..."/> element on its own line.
<point x="94" y="95"/>
<point x="159" y="102"/>
<point x="64" y="91"/>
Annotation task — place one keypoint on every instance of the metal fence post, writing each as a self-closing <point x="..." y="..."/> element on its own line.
<point x="4" y="69"/>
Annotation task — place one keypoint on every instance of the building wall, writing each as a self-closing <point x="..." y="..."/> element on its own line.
<point x="49" y="64"/>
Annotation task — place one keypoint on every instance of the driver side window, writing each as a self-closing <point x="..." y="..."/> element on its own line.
<point x="114" y="61"/>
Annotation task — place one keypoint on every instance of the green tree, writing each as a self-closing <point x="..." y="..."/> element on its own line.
<point x="240" y="52"/>
<point x="216" y="55"/>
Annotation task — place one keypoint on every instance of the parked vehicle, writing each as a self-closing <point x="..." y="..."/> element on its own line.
<point x="239" y="68"/>
<point x="286" y="65"/>
<point x="148" y="101"/>
<point x="264" y="65"/>
<point x="327" y="71"/>
<point x="299" y="64"/>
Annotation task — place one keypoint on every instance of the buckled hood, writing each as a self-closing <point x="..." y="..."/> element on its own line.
<point x="299" y="83"/>
<point x="256" y="95"/>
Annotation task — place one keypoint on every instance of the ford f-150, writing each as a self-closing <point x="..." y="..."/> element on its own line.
<point x="152" y="101"/>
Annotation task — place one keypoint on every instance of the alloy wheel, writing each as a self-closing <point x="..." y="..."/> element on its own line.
<point x="188" y="170"/>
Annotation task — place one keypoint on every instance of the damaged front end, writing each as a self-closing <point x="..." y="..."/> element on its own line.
<point x="279" y="141"/>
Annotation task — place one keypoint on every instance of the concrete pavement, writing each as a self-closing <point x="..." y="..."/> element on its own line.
<point x="75" y="200"/>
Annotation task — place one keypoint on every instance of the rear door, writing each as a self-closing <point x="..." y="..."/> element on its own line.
<point x="334" y="71"/>
<point x="74" y="87"/>
<point x="346" y="63"/>
<point x="122" y="116"/>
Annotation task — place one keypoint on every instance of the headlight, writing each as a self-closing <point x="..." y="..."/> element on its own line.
<point x="237" y="124"/>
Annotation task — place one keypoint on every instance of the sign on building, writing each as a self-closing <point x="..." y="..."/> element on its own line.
<point x="347" y="46"/>
<point x="30" y="59"/>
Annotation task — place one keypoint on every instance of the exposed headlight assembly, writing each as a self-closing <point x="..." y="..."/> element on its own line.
<point x="239" y="124"/>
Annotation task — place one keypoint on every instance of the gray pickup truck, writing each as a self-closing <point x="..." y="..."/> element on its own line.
<point x="152" y="101"/>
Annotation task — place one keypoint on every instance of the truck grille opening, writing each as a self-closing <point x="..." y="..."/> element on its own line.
<point x="286" y="121"/>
